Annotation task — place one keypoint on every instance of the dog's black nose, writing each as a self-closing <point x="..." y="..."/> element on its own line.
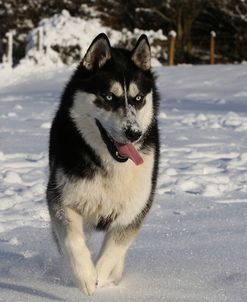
<point x="132" y="135"/>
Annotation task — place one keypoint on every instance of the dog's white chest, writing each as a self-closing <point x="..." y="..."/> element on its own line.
<point x="123" y="192"/>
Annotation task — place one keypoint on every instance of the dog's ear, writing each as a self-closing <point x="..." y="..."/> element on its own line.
<point x="98" y="53"/>
<point x="141" y="54"/>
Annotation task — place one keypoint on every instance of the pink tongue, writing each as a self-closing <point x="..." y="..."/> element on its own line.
<point x="128" y="150"/>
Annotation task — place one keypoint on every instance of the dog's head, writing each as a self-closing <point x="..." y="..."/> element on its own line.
<point x="119" y="85"/>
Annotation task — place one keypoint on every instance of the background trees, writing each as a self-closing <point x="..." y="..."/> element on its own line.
<point x="192" y="19"/>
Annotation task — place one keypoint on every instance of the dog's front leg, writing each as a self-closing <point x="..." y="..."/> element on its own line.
<point x="110" y="265"/>
<point x="72" y="238"/>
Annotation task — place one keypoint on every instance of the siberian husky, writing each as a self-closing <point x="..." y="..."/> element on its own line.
<point x="103" y="158"/>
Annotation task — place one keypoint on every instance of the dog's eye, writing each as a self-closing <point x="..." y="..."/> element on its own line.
<point x="139" y="98"/>
<point x="108" y="97"/>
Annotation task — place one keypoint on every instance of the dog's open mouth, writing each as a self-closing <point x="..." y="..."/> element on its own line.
<point x="120" y="152"/>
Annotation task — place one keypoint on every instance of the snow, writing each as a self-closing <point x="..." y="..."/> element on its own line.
<point x="65" y="30"/>
<point x="172" y="33"/>
<point x="213" y="33"/>
<point x="192" y="246"/>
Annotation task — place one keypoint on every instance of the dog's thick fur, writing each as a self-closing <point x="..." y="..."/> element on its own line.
<point x="111" y="99"/>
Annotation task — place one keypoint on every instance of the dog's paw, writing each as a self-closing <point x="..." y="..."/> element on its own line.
<point x="103" y="271"/>
<point x="108" y="275"/>
<point x="89" y="286"/>
<point x="103" y="280"/>
<point x="117" y="273"/>
<point x="88" y="281"/>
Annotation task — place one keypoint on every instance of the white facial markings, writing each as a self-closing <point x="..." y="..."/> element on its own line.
<point x="133" y="90"/>
<point x="125" y="94"/>
<point x="116" y="88"/>
<point x="84" y="112"/>
<point x="145" y="114"/>
<point x="130" y="112"/>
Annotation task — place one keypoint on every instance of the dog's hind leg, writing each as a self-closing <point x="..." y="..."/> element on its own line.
<point x="110" y="265"/>
<point x="68" y="226"/>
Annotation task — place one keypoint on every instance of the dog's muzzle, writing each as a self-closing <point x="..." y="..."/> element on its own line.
<point x="121" y="152"/>
<point x="132" y="135"/>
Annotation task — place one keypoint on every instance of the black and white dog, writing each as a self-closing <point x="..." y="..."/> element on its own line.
<point x="104" y="152"/>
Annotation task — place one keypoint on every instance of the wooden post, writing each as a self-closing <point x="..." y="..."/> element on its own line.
<point x="40" y="39"/>
<point x="212" y="46"/>
<point x="172" y="44"/>
<point x="9" y="50"/>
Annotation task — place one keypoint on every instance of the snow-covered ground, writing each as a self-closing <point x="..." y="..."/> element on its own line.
<point x="193" y="245"/>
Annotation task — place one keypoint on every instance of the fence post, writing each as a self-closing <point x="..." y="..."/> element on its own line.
<point x="9" y="50"/>
<point x="40" y="39"/>
<point x="212" y="46"/>
<point x="172" y="43"/>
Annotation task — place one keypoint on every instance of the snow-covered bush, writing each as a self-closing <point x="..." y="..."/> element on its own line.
<point x="66" y="39"/>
